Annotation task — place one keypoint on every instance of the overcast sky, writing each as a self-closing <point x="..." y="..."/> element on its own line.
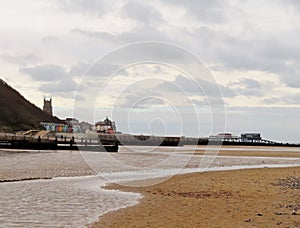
<point x="250" y="50"/>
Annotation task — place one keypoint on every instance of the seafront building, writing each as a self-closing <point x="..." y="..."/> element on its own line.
<point x="70" y="125"/>
<point x="106" y="126"/>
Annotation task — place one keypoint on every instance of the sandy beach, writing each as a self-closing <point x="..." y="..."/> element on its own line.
<point x="239" y="198"/>
<point x="68" y="187"/>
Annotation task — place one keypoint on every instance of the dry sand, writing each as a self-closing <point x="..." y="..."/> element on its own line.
<point x="240" y="198"/>
<point x="253" y="151"/>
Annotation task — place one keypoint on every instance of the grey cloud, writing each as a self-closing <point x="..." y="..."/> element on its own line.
<point x="230" y="52"/>
<point x="290" y="75"/>
<point x="82" y="6"/>
<point x="50" y="39"/>
<point x="55" y="79"/>
<point x="139" y="95"/>
<point x="20" y="57"/>
<point x="278" y="57"/>
<point x="249" y="83"/>
<point x="213" y="11"/>
<point x="143" y="12"/>
<point x="204" y="102"/>
<point x="197" y="87"/>
<point x="45" y="72"/>
<point x="249" y="87"/>
<point x="144" y="33"/>
<point x="271" y="100"/>
<point x="295" y="4"/>
<point x="59" y="87"/>
<point x="94" y="69"/>
<point x="98" y="35"/>
<point x="281" y="49"/>
<point x="160" y="52"/>
<point x="292" y="81"/>
<point x="139" y="100"/>
<point x="246" y="51"/>
<point x="293" y="99"/>
<point x="203" y="37"/>
<point x="148" y="93"/>
<point x="263" y="53"/>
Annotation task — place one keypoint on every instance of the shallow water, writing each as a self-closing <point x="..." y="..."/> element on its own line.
<point x="78" y="201"/>
<point x="67" y="202"/>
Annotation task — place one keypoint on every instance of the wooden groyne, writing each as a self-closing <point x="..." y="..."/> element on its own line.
<point x="52" y="142"/>
<point x="142" y="140"/>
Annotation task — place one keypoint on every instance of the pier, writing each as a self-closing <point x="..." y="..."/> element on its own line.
<point x="247" y="139"/>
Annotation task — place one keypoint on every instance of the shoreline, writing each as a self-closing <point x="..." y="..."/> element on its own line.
<point x="105" y="185"/>
<point x="78" y="176"/>
<point x="216" y="190"/>
<point x="142" y="179"/>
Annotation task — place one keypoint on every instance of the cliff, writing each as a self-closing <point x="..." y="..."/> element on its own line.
<point x="17" y="113"/>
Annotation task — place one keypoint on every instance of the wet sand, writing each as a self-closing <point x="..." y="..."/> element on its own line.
<point x="239" y="198"/>
<point x="18" y="165"/>
<point x="247" y="151"/>
<point x="25" y="165"/>
<point x="241" y="153"/>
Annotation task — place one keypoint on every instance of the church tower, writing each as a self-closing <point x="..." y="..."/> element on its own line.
<point x="48" y="106"/>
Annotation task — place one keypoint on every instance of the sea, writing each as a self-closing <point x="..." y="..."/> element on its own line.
<point x="65" y="188"/>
